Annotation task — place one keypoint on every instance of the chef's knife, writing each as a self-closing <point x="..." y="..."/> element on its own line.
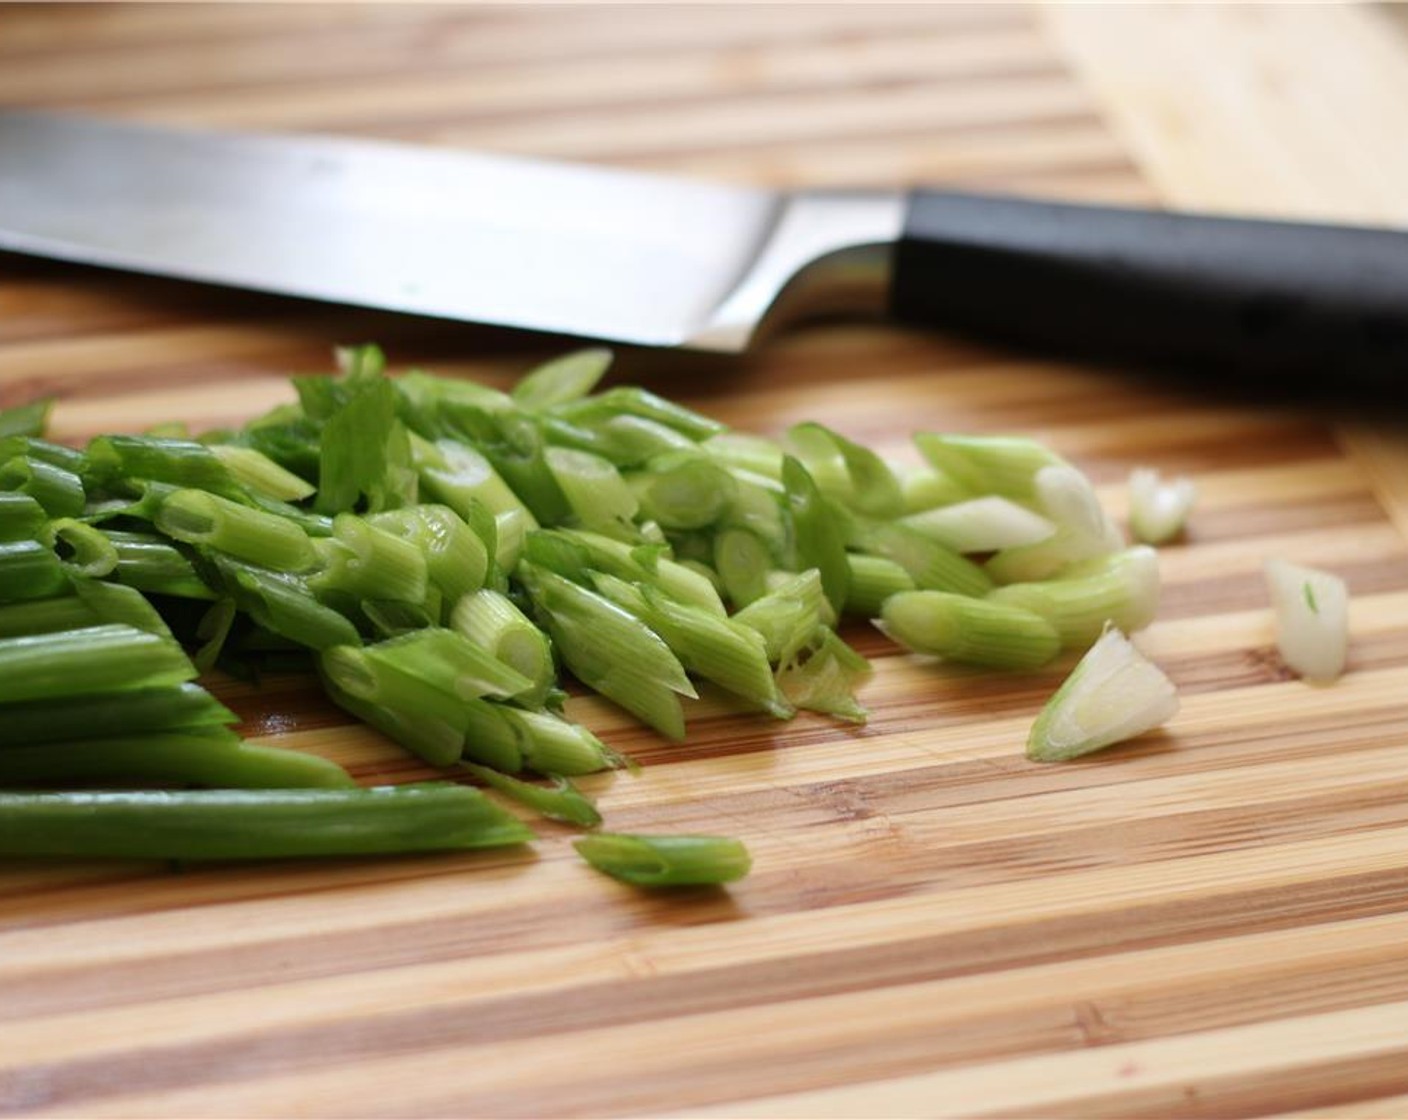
<point x="662" y="261"/>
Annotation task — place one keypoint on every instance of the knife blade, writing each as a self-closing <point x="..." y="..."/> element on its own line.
<point x="662" y="261"/>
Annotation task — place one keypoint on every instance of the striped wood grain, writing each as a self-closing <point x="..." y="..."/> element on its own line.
<point x="1209" y="921"/>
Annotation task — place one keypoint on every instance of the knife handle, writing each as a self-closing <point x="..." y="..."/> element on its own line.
<point x="1185" y="291"/>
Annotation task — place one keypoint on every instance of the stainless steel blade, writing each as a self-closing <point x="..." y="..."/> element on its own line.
<point x="546" y="246"/>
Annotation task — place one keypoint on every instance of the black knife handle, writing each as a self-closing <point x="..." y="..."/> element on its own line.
<point x="1189" y="292"/>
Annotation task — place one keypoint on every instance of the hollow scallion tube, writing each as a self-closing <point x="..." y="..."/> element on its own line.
<point x="56" y="454"/>
<point x="634" y="401"/>
<point x="247" y="534"/>
<point x="458" y="475"/>
<point x="259" y="474"/>
<point x="1002" y="465"/>
<point x="743" y="560"/>
<point x="1120" y="590"/>
<point x="981" y="525"/>
<point x="28" y="570"/>
<point x="1113" y="694"/>
<point x="873" y="580"/>
<point x="207" y="756"/>
<point x="646" y="565"/>
<point x="598" y="496"/>
<point x="666" y="861"/>
<point x="630" y="441"/>
<point x="21" y="517"/>
<point x="284" y="605"/>
<point x="83" y="548"/>
<point x="560" y="802"/>
<point x="816" y="537"/>
<point x="563" y="379"/>
<point x="364" y="561"/>
<point x="150" y="563"/>
<point x="969" y="631"/>
<point x="457" y="559"/>
<point x="490" y="620"/>
<point x="683" y="490"/>
<point x="45" y="616"/>
<point x="94" y="659"/>
<point x="131" y="713"/>
<point x="59" y="491"/>
<point x="114" y="603"/>
<point x="552" y="745"/>
<point x="182" y="463"/>
<point x="430" y="735"/>
<point x="932" y="566"/>
<point x="255" y="824"/>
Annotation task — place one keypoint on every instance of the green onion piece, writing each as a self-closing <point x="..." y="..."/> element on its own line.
<point x="173" y="429"/>
<point x="1113" y="694"/>
<point x="511" y="529"/>
<point x="515" y="446"/>
<point x="683" y="490"/>
<point x="491" y="621"/>
<point x="213" y="630"/>
<point x="55" y="454"/>
<point x="28" y="570"/>
<point x="456" y="558"/>
<point x="459" y="476"/>
<point x="610" y="650"/>
<point x="754" y="454"/>
<point x="646" y="565"/>
<point x="255" y="824"/>
<point x="742" y="560"/>
<point x="83" y="548"/>
<point x="629" y="441"/>
<point x="564" y="379"/>
<point x="1001" y="465"/>
<point x="817" y="538"/>
<point x="551" y="745"/>
<point x="284" y="605"/>
<point x="247" y="534"/>
<point x="393" y="617"/>
<point x="114" y="603"/>
<point x="365" y="453"/>
<point x="1120" y="590"/>
<point x="861" y="478"/>
<point x="132" y="713"/>
<point x="182" y="463"/>
<point x="824" y="678"/>
<point x="758" y="506"/>
<point x="970" y="631"/>
<point x="26" y="419"/>
<point x="150" y="563"/>
<point x="1031" y="562"/>
<point x="561" y="802"/>
<point x="635" y="401"/>
<point x="258" y="473"/>
<point x="931" y="565"/>
<point x="981" y="525"/>
<point x="597" y="495"/>
<point x="490" y="737"/>
<point x="666" y="861"/>
<point x="59" y="491"/>
<point x="873" y="580"/>
<point x="788" y="617"/>
<point x="44" y="616"/>
<point x="1312" y="619"/>
<point x="924" y="488"/>
<point x="21" y="517"/>
<point x="427" y="396"/>
<point x="209" y="756"/>
<point x="363" y="561"/>
<point x="94" y="659"/>
<point x="433" y="737"/>
<point x="1158" y="509"/>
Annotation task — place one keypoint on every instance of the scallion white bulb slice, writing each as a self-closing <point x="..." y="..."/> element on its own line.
<point x="1113" y="694"/>
<point x="1312" y="619"/>
<point x="1158" y="509"/>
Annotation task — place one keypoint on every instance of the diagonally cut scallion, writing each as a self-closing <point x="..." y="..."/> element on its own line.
<point x="1312" y="619"/>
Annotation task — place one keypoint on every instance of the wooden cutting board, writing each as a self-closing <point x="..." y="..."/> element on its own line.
<point x="1212" y="921"/>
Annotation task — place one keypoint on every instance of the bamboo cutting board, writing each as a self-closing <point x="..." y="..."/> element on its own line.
<point x="1212" y="921"/>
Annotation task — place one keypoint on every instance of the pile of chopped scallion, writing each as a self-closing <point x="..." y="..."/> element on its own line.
<point x="436" y="551"/>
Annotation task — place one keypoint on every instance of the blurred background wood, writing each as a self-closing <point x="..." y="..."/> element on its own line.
<point x="1210" y="922"/>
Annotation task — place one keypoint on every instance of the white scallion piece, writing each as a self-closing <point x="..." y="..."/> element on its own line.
<point x="1312" y="619"/>
<point x="981" y="525"/>
<point x="1115" y="693"/>
<point x="1158" y="509"/>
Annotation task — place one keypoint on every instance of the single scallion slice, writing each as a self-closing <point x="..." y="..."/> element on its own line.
<point x="150" y="563"/>
<point x="363" y="561"/>
<point x="459" y="476"/>
<point x="561" y="802"/>
<point x="825" y="676"/>
<point x="969" y="631"/>
<point x="490" y="620"/>
<point x="788" y="616"/>
<point x="182" y="463"/>
<point x="816" y="535"/>
<point x="742" y="560"/>
<point x="94" y="659"/>
<point x="873" y="580"/>
<point x="1113" y="694"/>
<point x="434" y="737"/>
<point x="247" y="534"/>
<point x="1158" y="509"/>
<point x="932" y="566"/>
<point x="924" y="488"/>
<point x="646" y="566"/>
<point x="683" y="490"/>
<point x="28" y="570"/>
<point x="283" y="604"/>
<point x="59" y="491"/>
<point x="21" y="517"/>
<point x="1312" y="619"/>
<point x="457" y="558"/>
<point x="567" y="378"/>
<point x="131" y="713"/>
<point x="255" y="824"/>
<point x="1001" y="465"/>
<point x="981" y="525"/>
<point x="597" y="494"/>
<point x="551" y="745"/>
<point x="666" y="861"/>
<point x="1120" y="590"/>
<point x="84" y="549"/>
<point x="862" y="480"/>
<point x="258" y="473"/>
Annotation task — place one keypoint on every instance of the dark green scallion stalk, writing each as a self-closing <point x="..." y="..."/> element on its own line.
<point x="437" y="740"/>
<point x="82" y="548"/>
<point x="181" y="463"/>
<point x="255" y="824"/>
<point x="635" y="401"/>
<point x="94" y="659"/>
<point x="132" y="713"/>
<point x="114" y="603"/>
<point x="21" y="517"/>
<point x="59" y="491"/>
<point x="816" y="533"/>
<point x="45" y="616"/>
<point x="28" y="570"/>
<point x="150" y="563"/>
<point x="284" y="604"/>
<point x="55" y="454"/>
<point x="27" y="419"/>
<point x="259" y="474"/>
<point x="666" y="861"/>
<point x="363" y="561"/>
<point x="560" y="802"/>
